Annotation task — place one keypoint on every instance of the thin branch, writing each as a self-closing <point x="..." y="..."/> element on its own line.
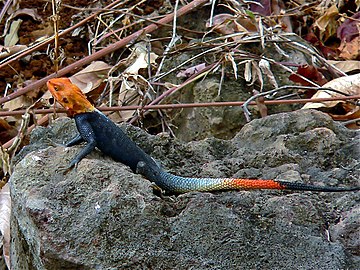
<point x="101" y="53"/>
<point x="174" y="39"/>
<point x="14" y="57"/>
<point x="188" y="105"/>
<point x="287" y="87"/>
<point x="40" y="122"/>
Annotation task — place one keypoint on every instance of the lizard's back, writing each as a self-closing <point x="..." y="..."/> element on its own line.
<point x="112" y="141"/>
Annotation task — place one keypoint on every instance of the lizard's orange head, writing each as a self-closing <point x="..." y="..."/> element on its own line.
<point x="69" y="96"/>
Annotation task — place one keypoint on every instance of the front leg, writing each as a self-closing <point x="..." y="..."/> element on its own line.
<point x="86" y="134"/>
<point x="74" y="141"/>
<point x="83" y="153"/>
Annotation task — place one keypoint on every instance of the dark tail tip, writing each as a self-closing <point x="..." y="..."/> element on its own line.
<point x="305" y="187"/>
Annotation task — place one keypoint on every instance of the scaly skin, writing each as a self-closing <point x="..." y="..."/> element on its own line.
<point x="99" y="131"/>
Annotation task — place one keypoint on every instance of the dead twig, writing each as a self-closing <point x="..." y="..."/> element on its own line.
<point x="174" y="39"/>
<point x="172" y="90"/>
<point x="31" y="49"/>
<point x="8" y="151"/>
<point x="42" y="121"/>
<point x="56" y="18"/>
<point x="287" y="87"/>
<point x="186" y="105"/>
<point x="45" y="119"/>
<point x="101" y="53"/>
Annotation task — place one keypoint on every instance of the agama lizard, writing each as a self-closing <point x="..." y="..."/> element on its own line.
<point x="98" y="131"/>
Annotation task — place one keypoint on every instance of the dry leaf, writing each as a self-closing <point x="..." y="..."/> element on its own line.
<point x="309" y="72"/>
<point x="7" y="131"/>
<point x="7" y="51"/>
<point x="17" y="103"/>
<point x="350" y="49"/>
<point x="263" y="7"/>
<point x="228" y="24"/>
<point x="91" y="77"/>
<point x="256" y="74"/>
<point x="327" y="51"/>
<point x="128" y="93"/>
<point x="139" y="59"/>
<point x="353" y="114"/>
<point x="260" y="104"/>
<point x="229" y="57"/>
<point x="327" y="23"/>
<point x="12" y="37"/>
<point x="278" y="7"/>
<point x="349" y="85"/>
<point x="247" y="71"/>
<point x="46" y="31"/>
<point x="133" y="85"/>
<point x="265" y="68"/>
<point x="346" y="66"/>
<point x="29" y="12"/>
<point x="5" y="210"/>
<point x="348" y="30"/>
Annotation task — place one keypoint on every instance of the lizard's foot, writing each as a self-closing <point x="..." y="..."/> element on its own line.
<point x="161" y="193"/>
<point x="156" y="188"/>
<point x="64" y="170"/>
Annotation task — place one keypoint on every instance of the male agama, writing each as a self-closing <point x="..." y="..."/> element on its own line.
<point x="98" y="131"/>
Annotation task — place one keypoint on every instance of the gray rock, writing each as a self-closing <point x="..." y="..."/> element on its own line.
<point x="102" y="216"/>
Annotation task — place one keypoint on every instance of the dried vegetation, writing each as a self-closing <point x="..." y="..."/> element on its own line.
<point x="129" y="57"/>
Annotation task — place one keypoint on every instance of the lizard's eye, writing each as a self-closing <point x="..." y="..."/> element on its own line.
<point x="65" y="100"/>
<point x="56" y="88"/>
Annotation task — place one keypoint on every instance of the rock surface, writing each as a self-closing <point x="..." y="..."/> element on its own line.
<point x="102" y="216"/>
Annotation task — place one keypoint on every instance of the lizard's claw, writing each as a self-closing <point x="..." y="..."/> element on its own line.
<point x="156" y="188"/>
<point x="64" y="170"/>
<point x="161" y="193"/>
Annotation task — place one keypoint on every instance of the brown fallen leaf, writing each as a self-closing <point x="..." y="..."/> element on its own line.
<point x="278" y="8"/>
<point x="7" y="51"/>
<point x="327" y="51"/>
<point x="346" y="66"/>
<point x="91" y="77"/>
<point x="128" y="95"/>
<point x="350" y="49"/>
<point x="12" y="37"/>
<point x="351" y="115"/>
<point x="327" y="23"/>
<point x="349" y="29"/>
<point x="20" y="102"/>
<point x="260" y="104"/>
<point x="138" y="59"/>
<point x="338" y="109"/>
<point x="134" y="87"/>
<point x="7" y="131"/>
<point x="27" y="12"/>
<point x="227" y="24"/>
<point x="273" y="7"/>
<point x="310" y="72"/>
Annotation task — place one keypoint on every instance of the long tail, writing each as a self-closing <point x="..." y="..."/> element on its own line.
<point x="178" y="184"/>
